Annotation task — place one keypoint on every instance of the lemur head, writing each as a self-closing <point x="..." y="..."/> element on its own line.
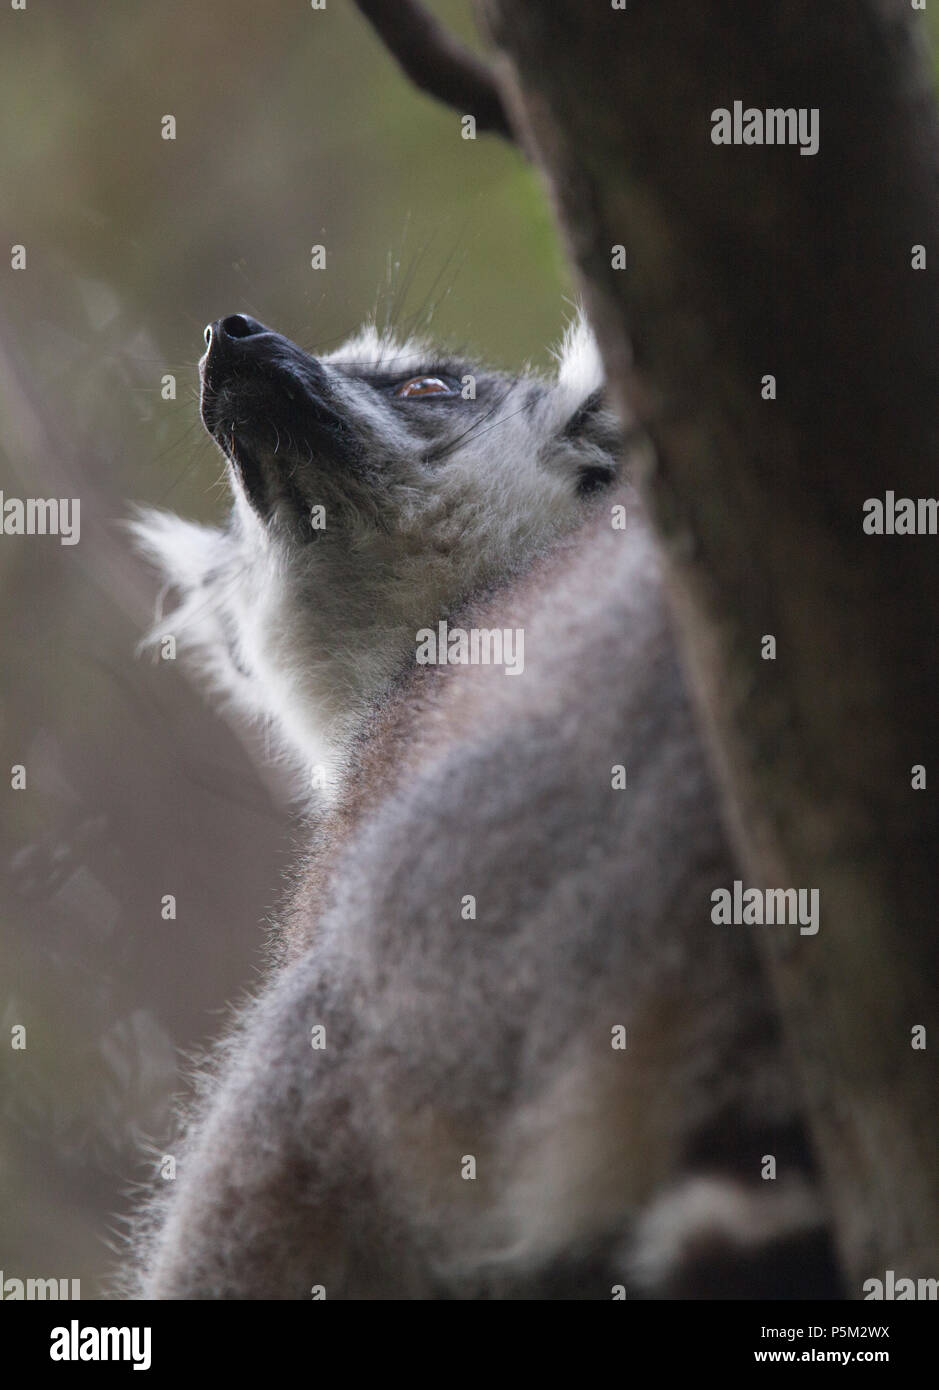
<point x="374" y="491"/>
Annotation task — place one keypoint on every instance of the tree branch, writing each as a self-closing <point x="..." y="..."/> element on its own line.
<point x="437" y="62"/>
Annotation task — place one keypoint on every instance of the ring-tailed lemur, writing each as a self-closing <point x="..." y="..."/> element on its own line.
<point x="507" y="1053"/>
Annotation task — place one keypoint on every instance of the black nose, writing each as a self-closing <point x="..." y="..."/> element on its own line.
<point x="235" y="326"/>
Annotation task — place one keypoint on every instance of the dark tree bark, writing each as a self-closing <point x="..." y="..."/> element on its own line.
<point x="743" y="261"/>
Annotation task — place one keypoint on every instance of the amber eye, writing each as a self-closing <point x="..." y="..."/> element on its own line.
<point x="423" y="386"/>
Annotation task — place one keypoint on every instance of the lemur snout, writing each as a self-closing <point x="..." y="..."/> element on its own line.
<point x="224" y="333"/>
<point x="241" y="353"/>
<point x="241" y="326"/>
<point x="276" y="414"/>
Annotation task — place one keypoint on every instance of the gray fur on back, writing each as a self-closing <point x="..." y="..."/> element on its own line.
<point x="492" y="1038"/>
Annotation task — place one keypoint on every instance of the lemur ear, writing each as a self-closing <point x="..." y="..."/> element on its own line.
<point x="582" y="412"/>
<point x="588" y="434"/>
<point x="580" y="368"/>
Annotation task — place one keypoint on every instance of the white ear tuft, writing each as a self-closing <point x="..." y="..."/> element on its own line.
<point x="580" y="368"/>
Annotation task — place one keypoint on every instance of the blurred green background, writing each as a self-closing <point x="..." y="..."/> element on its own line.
<point x="293" y="127"/>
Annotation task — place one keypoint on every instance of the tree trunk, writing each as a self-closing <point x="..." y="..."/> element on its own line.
<point x="743" y="261"/>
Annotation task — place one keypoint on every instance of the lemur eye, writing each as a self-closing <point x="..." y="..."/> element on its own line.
<point x="423" y="386"/>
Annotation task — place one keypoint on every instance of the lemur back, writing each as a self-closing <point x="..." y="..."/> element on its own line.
<point x="506" y="1053"/>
